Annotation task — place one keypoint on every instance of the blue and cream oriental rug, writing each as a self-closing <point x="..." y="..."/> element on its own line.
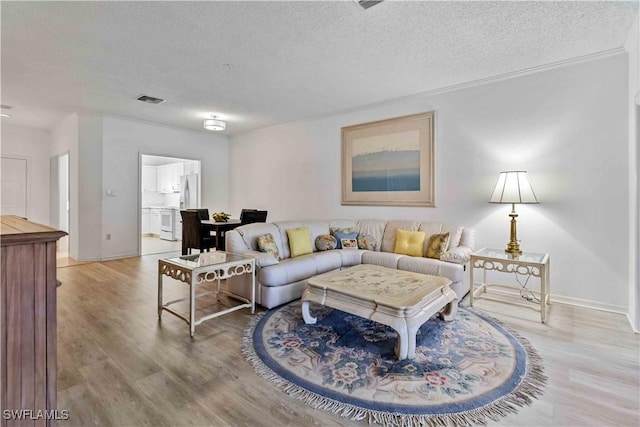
<point x="465" y="372"/>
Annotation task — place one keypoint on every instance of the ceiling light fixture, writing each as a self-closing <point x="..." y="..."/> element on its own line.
<point x="366" y="4"/>
<point x="150" y="99"/>
<point x="4" y="115"/>
<point x="214" y="124"/>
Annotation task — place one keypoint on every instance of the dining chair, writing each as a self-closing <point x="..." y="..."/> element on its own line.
<point x="252" y="216"/>
<point x="203" y="213"/>
<point x="194" y="234"/>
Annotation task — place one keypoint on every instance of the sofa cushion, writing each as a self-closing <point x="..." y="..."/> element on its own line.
<point x="383" y="259"/>
<point x="351" y="257"/>
<point x="326" y="242"/>
<point x="288" y="270"/>
<point x="373" y="228"/>
<point x="327" y="261"/>
<point x="431" y="228"/>
<point x="299" y="268"/>
<point x="267" y="244"/>
<point x="250" y="233"/>
<point x="389" y="236"/>
<point x="262" y="259"/>
<point x="299" y="241"/>
<point x="438" y="245"/>
<point x="409" y="242"/>
<point x="282" y="228"/>
<point x="434" y="267"/>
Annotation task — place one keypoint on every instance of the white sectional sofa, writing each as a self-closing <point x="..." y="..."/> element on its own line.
<point x="284" y="280"/>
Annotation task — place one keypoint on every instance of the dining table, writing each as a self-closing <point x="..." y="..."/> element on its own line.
<point x="220" y="228"/>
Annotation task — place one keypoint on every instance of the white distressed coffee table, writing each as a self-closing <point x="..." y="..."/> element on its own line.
<point x="400" y="299"/>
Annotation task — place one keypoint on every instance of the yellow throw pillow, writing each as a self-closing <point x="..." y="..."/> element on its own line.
<point x="409" y="242"/>
<point x="438" y="245"/>
<point x="299" y="241"/>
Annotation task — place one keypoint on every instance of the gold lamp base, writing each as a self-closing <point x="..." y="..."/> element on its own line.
<point x="513" y="247"/>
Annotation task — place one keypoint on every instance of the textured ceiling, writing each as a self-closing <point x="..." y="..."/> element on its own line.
<point x="259" y="64"/>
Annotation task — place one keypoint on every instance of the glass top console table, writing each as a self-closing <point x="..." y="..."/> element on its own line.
<point x="528" y="264"/>
<point x="195" y="270"/>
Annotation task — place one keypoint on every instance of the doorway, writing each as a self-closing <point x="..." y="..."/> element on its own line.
<point x="59" y="206"/>
<point x="13" y="184"/>
<point x="167" y="184"/>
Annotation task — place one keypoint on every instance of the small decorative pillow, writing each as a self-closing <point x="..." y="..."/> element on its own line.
<point x="326" y="242"/>
<point x="409" y="242"/>
<point x="343" y="235"/>
<point x="334" y="230"/>
<point x="267" y="244"/>
<point x="367" y="242"/>
<point x="349" y="243"/>
<point x="438" y="245"/>
<point x="299" y="241"/>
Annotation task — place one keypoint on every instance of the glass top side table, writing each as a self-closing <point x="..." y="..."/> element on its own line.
<point x="529" y="264"/>
<point x="195" y="270"/>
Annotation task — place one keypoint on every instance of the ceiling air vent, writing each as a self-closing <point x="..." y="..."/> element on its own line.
<point x="366" y="4"/>
<point x="150" y="99"/>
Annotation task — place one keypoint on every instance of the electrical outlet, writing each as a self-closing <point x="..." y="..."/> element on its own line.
<point x="108" y="236"/>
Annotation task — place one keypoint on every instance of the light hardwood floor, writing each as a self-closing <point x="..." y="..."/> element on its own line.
<point x="119" y="366"/>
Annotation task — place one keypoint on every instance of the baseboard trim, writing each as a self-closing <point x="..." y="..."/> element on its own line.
<point x="633" y="328"/>
<point x="576" y="302"/>
<point x="585" y="303"/>
<point x="114" y="257"/>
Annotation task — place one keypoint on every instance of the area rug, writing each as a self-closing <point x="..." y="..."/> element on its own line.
<point x="465" y="371"/>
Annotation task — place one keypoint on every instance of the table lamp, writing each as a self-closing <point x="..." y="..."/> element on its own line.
<point x="513" y="187"/>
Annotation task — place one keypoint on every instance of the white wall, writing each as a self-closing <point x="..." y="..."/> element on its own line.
<point x="64" y="138"/>
<point x="632" y="46"/>
<point x="123" y="142"/>
<point x="567" y="126"/>
<point x="32" y="145"/>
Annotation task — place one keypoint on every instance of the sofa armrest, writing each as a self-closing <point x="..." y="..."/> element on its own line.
<point x="263" y="259"/>
<point x="458" y="255"/>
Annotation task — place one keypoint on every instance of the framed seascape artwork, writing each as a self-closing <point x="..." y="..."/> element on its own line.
<point x="389" y="162"/>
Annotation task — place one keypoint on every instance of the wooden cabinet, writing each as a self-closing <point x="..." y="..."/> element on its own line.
<point x="28" y="319"/>
<point x="149" y="178"/>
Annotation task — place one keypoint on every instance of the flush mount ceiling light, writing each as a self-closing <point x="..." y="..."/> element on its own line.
<point x="214" y="124"/>
<point x="150" y="99"/>
<point x="366" y="4"/>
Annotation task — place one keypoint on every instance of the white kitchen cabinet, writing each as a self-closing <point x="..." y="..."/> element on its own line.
<point x="177" y="170"/>
<point x="149" y="178"/>
<point x="190" y="167"/>
<point x="163" y="179"/>
<point x="169" y="177"/>
<point x="154" y="222"/>
<point x="146" y="221"/>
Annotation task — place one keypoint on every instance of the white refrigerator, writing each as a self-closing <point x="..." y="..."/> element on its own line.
<point x="189" y="191"/>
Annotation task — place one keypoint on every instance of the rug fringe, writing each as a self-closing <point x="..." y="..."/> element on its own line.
<point x="531" y="387"/>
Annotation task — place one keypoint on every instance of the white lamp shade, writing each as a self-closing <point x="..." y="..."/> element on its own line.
<point x="214" y="124"/>
<point x="513" y="187"/>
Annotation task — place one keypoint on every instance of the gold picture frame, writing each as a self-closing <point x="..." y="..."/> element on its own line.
<point x="390" y="162"/>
